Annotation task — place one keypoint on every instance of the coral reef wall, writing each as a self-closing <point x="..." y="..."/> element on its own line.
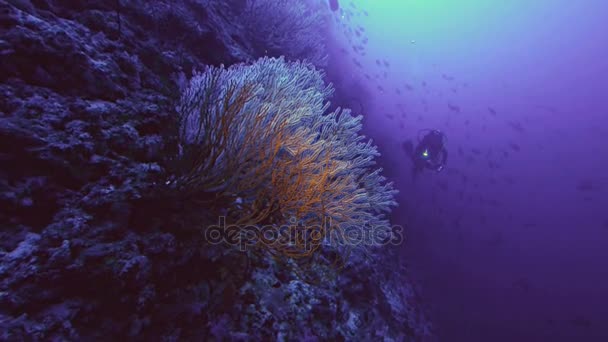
<point x="91" y="247"/>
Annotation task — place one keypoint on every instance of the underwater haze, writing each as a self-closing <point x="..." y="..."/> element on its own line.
<point x="304" y="170"/>
<point x="510" y="241"/>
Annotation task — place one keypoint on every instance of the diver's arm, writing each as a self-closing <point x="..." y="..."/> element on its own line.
<point x="444" y="159"/>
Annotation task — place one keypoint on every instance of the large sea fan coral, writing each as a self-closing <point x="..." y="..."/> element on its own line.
<point x="258" y="145"/>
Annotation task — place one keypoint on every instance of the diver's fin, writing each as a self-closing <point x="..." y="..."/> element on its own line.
<point x="408" y="147"/>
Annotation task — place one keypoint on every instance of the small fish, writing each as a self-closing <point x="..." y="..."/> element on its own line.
<point x="454" y="108"/>
<point x="546" y="108"/>
<point x="586" y="185"/>
<point x="447" y="77"/>
<point x="386" y="63"/>
<point x="460" y="151"/>
<point x="492" y="111"/>
<point x="581" y="321"/>
<point x="516" y="126"/>
<point x="514" y="147"/>
<point x="522" y="284"/>
<point x="496" y="239"/>
<point x="493" y="165"/>
<point x="443" y="186"/>
<point x="334" y="5"/>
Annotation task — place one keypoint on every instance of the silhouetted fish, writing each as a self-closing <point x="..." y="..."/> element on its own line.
<point x="442" y="185"/>
<point x="496" y="239"/>
<point x="460" y="151"/>
<point x="386" y="63"/>
<point x="494" y="203"/>
<point x="377" y="62"/>
<point x="447" y="77"/>
<point x="454" y="108"/>
<point x="587" y="185"/>
<point x="517" y="126"/>
<point x="522" y="284"/>
<point x="476" y="151"/>
<point x="397" y="91"/>
<point x="581" y="321"/>
<point x="549" y="109"/>
<point x="514" y="147"/>
<point x="492" y="164"/>
<point x="452" y="171"/>
<point x="492" y="111"/>
<point x="333" y="5"/>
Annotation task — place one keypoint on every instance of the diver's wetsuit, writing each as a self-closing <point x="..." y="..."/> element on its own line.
<point x="430" y="153"/>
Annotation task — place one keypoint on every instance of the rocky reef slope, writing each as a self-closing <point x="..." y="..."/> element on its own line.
<point x="88" y="251"/>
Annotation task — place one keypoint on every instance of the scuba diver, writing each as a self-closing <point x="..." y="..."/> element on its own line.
<point x="430" y="153"/>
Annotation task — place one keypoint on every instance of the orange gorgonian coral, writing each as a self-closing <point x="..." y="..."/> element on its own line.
<point x="259" y="147"/>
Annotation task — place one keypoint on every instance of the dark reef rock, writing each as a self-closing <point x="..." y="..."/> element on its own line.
<point x="86" y="250"/>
